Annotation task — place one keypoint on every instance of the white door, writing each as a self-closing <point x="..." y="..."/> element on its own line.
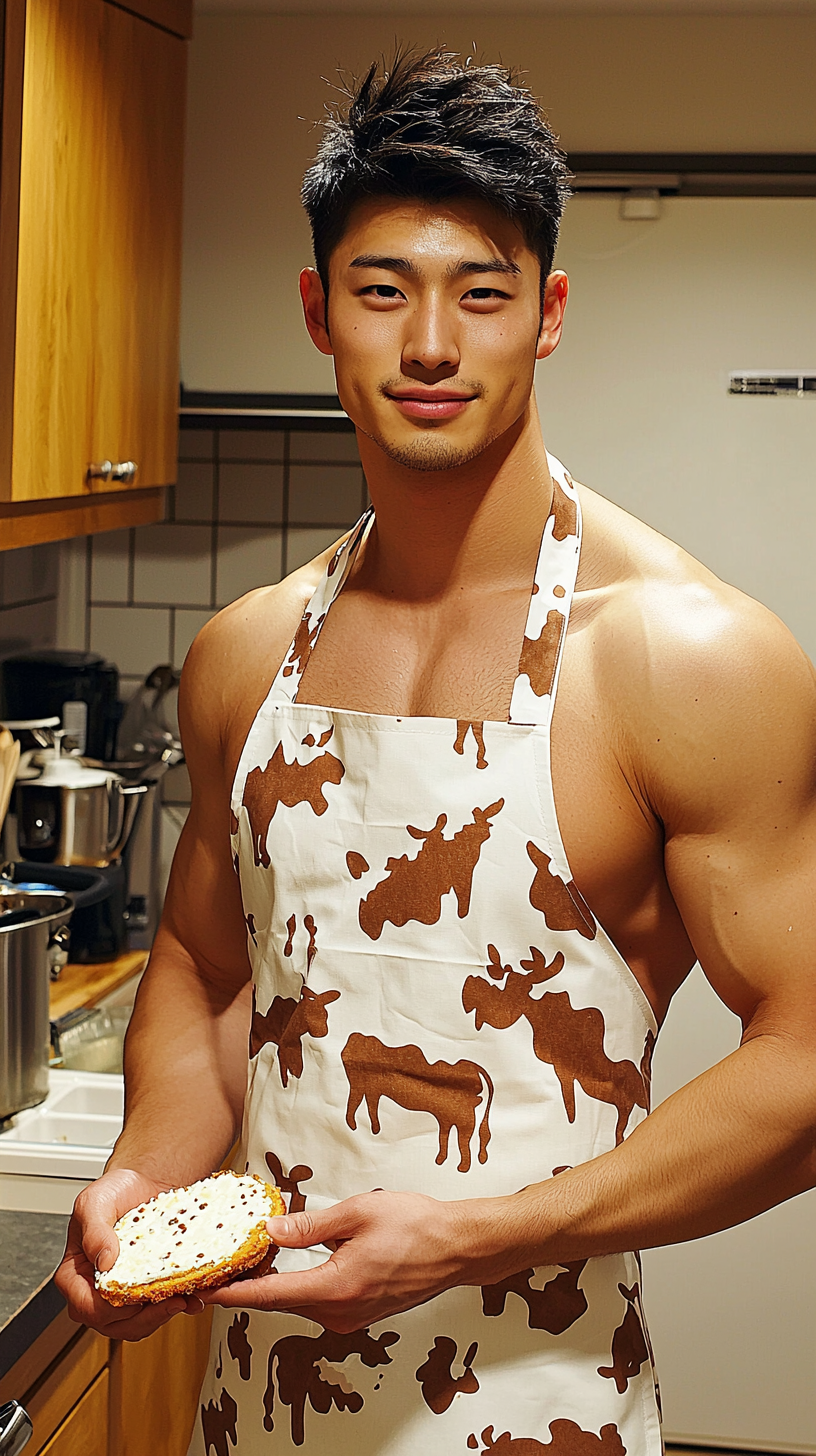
<point x="635" y="403"/>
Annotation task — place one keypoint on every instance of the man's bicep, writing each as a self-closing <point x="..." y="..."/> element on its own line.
<point x="203" y="909"/>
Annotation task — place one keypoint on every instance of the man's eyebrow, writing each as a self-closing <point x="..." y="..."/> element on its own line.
<point x="456" y="270"/>
<point x="378" y="260"/>
<point x="491" y="265"/>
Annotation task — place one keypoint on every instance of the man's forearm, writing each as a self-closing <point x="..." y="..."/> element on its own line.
<point x="185" y="1070"/>
<point x="731" y="1144"/>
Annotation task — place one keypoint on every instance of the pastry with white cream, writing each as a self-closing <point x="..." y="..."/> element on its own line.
<point x="189" y="1239"/>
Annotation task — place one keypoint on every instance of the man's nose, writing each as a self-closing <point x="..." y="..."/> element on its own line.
<point x="431" y="343"/>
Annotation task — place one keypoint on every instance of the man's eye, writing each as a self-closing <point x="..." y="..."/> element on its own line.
<point x="480" y="294"/>
<point x="382" y="290"/>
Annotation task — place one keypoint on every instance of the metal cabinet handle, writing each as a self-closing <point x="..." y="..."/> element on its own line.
<point x="100" y="471"/>
<point x="124" y="470"/>
<point x="105" y="470"/>
<point x="15" y="1428"/>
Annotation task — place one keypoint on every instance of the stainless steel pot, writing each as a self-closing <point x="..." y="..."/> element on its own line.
<point x="33" y="940"/>
<point x="74" y="815"/>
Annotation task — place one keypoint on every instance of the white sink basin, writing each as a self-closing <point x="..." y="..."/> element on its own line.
<point x="53" y="1151"/>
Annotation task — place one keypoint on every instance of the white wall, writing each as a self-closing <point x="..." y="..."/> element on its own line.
<point x="634" y="82"/>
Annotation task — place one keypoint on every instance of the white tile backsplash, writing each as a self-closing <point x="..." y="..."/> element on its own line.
<point x="196" y="444"/>
<point x="246" y="558"/>
<point x="320" y="445"/>
<point x="250" y="492"/>
<point x="173" y="564"/>
<point x="110" y="552"/>
<point x="195" y="490"/>
<point x="251" y="445"/>
<point x="305" y="542"/>
<point x="330" y="494"/>
<point x="137" y="639"/>
<point x="188" y="624"/>
<point x="28" y="573"/>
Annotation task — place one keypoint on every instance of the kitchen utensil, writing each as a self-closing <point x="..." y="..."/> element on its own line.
<point x="80" y="688"/>
<point x="15" y="1428"/>
<point x="33" y="939"/>
<point x="98" y="928"/>
<point x="72" y="814"/>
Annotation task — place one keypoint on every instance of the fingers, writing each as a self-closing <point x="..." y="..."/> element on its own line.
<point x="283" y="1291"/>
<point x="302" y="1230"/>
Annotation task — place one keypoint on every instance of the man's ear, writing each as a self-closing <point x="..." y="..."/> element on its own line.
<point x="552" y="314"/>
<point x="313" y="298"/>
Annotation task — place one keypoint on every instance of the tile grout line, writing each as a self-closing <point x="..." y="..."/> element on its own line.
<point x="215" y="507"/>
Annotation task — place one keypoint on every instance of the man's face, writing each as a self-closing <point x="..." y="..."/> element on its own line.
<point x="434" y="322"/>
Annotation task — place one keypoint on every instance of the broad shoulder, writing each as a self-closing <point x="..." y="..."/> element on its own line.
<point x="709" y="693"/>
<point x="233" y="662"/>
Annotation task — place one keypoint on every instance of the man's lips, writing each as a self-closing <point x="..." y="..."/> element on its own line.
<point x="441" y="405"/>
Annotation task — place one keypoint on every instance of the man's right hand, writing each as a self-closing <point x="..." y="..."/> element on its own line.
<point x="92" y="1244"/>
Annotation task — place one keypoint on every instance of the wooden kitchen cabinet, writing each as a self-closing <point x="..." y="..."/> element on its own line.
<point x="170" y="1366"/>
<point x="90" y="263"/>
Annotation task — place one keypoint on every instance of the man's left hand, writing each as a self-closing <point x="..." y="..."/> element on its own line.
<point x="392" y="1251"/>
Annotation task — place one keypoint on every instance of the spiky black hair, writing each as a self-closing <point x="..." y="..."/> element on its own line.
<point x="429" y="127"/>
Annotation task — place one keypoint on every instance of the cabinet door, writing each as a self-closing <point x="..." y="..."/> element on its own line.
<point x="96" y="369"/>
<point x="85" y="1431"/>
<point x="170" y="1364"/>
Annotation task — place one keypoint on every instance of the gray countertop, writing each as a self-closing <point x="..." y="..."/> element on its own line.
<point x="31" y="1246"/>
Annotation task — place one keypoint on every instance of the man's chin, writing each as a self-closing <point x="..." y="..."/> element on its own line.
<point x="430" y="452"/>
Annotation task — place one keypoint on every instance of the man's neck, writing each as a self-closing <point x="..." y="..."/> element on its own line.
<point x="475" y="528"/>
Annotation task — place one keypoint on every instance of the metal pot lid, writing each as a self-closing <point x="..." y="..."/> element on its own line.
<point x="19" y="907"/>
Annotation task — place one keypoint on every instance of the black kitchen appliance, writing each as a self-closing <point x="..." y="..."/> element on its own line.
<point x="98" y="924"/>
<point x="79" y="688"/>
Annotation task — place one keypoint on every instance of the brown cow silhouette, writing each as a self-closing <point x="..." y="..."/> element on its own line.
<point x="414" y="888"/>
<point x="554" y="1308"/>
<point x="305" y="639"/>
<point x="436" y="1380"/>
<point x="238" y="1344"/>
<point x="562" y="905"/>
<point x="294" y="1361"/>
<point x="286" y="1023"/>
<point x="566" y="1439"/>
<point x="571" y="1040"/>
<point x="477" y="729"/>
<point x="301" y="1173"/>
<point x="219" y="1422"/>
<point x="539" y="655"/>
<point x="309" y="741"/>
<point x="449" y="1092"/>
<point x="357" y="864"/>
<point x="629" y="1348"/>
<point x="566" y="514"/>
<point x="289" y="784"/>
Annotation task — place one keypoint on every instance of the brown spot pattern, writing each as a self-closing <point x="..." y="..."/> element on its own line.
<point x="450" y="1092"/>
<point x="554" y="1308"/>
<point x="414" y="888"/>
<point x="436" y="1379"/>
<point x="629" y="1348"/>
<point x="311" y="949"/>
<point x="286" y="1023"/>
<point x="219" y="1423"/>
<point x="562" y="904"/>
<point x="566" y="1439"/>
<point x="291" y="926"/>
<point x="289" y="784"/>
<point x="238" y="1344"/>
<point x="539" y="655"/>
<point x="570" y="1040"/>
<point x="357" y="864"/>
<point x="305" y="639"/>
<point x="293" y="1376"/>
<point x="301" y="1173"/>
<point x="250" y="925"/>
<point x="565" y="512"/>
<point x="476" y="727"/>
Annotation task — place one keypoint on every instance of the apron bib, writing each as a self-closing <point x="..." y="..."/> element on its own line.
<point x="435" y="1009"/>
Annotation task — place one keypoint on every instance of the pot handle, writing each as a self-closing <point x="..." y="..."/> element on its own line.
<point x="15" y="1428"/>
<point x="129" y="798"/>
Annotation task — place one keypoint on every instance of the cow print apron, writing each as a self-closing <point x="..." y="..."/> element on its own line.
<point x="435" y="1009"/>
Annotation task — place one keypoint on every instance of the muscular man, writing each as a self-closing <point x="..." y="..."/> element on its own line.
<point x="448" y="907"/>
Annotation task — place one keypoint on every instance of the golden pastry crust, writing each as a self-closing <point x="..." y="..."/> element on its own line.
<point x="256" y="1246"/>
